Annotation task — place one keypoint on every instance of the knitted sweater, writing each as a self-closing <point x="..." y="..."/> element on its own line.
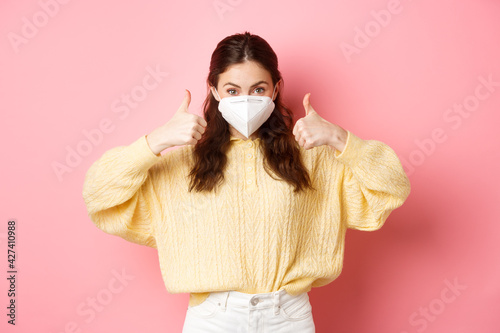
<point x="254" y="235"/>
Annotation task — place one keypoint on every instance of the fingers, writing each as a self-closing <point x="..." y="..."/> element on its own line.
<point x="296" y="131"/>
<point x="197" y="136"/>
<point x="199" y="129"/>
<point x="202" y="121"/>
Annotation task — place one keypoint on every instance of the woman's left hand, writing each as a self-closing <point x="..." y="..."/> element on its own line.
<point x="313" y="131"/>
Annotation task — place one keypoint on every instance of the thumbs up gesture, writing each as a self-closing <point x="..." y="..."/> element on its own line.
<point x="183" y="128"/>
<point x="313" y="131"/>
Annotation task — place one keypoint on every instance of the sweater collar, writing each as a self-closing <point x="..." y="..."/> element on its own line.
<point x="239" y="140"/>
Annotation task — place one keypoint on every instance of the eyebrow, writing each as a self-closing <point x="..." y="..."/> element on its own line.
<point x="255" y="84"/>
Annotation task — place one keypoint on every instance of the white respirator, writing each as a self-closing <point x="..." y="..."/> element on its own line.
<point x="246" y="113"/>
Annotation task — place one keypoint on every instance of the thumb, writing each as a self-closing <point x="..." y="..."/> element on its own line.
<point x="186" y="101"/>
<point x="307" y="104"/>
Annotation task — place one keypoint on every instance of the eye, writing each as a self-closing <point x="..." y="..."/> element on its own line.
<point x="231" y="91"/>
<point x="259" y="90"/>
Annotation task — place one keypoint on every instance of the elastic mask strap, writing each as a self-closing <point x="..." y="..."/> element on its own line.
<point x="217" y="94"/>
<point x="272" y="98"/>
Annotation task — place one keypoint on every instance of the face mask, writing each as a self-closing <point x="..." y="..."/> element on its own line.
<point x="246" y="113"/>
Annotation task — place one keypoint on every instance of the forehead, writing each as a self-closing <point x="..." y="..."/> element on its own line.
<point x="246" y="73"/>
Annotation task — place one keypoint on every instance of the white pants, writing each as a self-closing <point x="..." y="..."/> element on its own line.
<point x="235" y="312"/>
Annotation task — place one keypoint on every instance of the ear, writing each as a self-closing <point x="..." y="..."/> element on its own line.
<point x="212" y="89"/>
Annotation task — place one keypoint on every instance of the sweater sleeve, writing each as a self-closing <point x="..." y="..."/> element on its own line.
<point x="119" y="194"/>
<point x="373" y="185"/>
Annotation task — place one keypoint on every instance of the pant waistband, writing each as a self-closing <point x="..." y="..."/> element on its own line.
<point x="252" y="301"/>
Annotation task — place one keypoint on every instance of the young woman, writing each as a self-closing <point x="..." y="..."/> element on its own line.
<point x="251" y="211"/>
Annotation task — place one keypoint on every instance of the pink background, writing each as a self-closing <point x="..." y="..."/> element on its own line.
<point x="66" y="75"/>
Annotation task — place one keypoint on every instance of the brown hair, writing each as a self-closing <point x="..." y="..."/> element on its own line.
<point x="281" y="151"/>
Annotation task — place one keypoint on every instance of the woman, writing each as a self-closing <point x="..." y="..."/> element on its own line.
<point x="251" y="211"/>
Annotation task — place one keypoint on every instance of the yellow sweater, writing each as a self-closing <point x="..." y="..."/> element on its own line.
<point x="254" y="235"/>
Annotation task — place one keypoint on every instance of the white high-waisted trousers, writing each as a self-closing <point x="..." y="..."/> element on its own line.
<point x="236" y="312"/>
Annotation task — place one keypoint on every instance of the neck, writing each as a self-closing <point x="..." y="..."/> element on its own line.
<point x="238" y="135"/>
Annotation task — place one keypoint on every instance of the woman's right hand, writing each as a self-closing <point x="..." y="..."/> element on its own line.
<point x="183" y="128"/>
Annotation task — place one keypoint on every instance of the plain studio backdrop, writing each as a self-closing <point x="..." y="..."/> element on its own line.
<point x="80" y="77"/>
